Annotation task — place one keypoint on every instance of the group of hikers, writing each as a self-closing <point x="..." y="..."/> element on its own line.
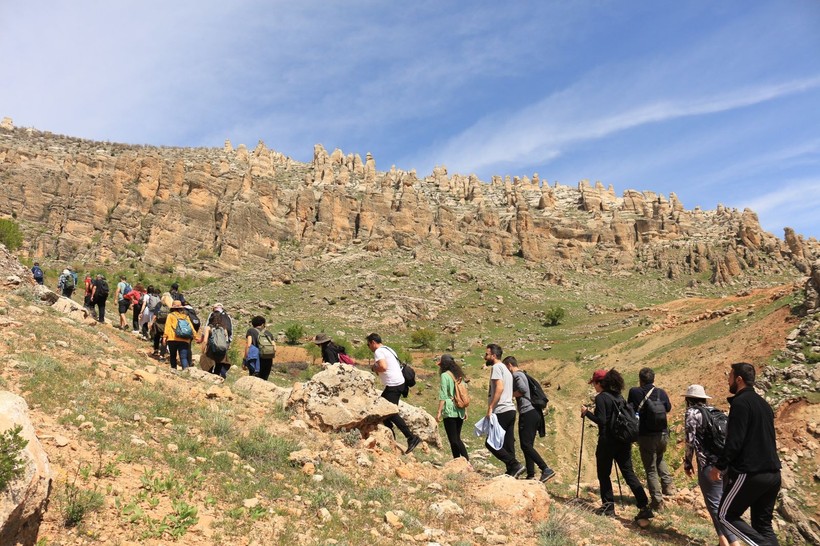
<point x="737" y="463"/>
<point x="738" y="466"/>
<point x="171" y="323"/>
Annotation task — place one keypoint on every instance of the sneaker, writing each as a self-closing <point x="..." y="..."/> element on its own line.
<point x="645" y="513"/>
<point x="529" y="477"/>
<point x="546" y="475"/>
<point x="412" y="444"/>
<point x="605" y="510"/>
<point x="520" y="469"/>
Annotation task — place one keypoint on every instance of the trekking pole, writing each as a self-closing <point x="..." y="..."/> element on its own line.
<point x="580" y="455"/>
<point x="618" y="476"/>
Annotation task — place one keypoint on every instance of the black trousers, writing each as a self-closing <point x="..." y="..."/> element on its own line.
<point x="507" y="452"/>
<point x="527" y="429"/>
<point x="452" y="426"/>
<point x="756" y="492"/>
<point x="100" y="310"/>
<point x="392" y="394"/>
<point x="605" y="454"/>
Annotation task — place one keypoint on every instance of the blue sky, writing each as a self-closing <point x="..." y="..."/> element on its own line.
<point x="716" y="101"/>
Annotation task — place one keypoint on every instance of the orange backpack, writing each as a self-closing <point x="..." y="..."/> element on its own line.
<point x="461" y="396"/>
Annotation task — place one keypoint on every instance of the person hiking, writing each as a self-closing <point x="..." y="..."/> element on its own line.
<point x="176" y="294"/>
<point x="749" y="463"/>
<point x="37" y="273"/>
<point x="87" y="296"/>
<point x="157" y="327"/>
<point x="134" y="297"/>
<point x="218" y="318"/>
<point x="608" y="386"/>
<point x="452" y="415"/>
<point x="712" y="490"/>
<point x="500" y="402"/>
<point x="147" y="303"/>
<point x="530" y="421"/>
<point x="386" y="365"/>
<point x="330" y="351"/>
<point x="74" y="276"/>
<point x="123" y="303"/>
<point x="66" y="283"/>
<point x="178" y="334"/>
<point x="652" y="404"/>
<point x="99" y="294"/>
<point x="258" y="342"/>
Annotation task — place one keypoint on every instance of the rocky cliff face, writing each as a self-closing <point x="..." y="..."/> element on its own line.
<point x="92" y="201"/>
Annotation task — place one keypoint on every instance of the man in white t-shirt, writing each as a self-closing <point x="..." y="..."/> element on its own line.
<point x="500" y="402"/>
<point x="387" y="365"/>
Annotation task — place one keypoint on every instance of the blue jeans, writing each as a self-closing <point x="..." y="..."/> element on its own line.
<point x="184" y="350"/>
<point x="712" y="492"/>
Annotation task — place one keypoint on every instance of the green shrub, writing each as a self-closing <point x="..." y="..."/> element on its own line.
<point x="78" y="503"/>
<point x="554" y="315"/>
<point x="294" y="333"/>
<point x="11" y="464"/>
<point x="10" y="234"/>
<point x="424" y="338"/>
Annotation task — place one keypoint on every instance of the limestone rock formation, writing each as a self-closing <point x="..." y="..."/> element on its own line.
<point x="259" y="389"/>
<point x="93" y="201"/>
<point x="341" y="398"/>
<point x="524" y="499"/>
<point x="25" y="499"/>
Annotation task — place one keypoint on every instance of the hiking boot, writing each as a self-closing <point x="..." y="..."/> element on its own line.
<point x="412" y="444"/>
<point x="517" y="471"/>
<point x="546" y="475"/>
<point x="656" y="506"/>
<point x="529" y="477"/>
<point x="645" y="513"/>
<point x="605" y="510"/>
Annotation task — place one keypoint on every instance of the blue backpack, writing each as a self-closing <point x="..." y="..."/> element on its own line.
<point x="37" y="272"/>
<point x="184" y="330"/>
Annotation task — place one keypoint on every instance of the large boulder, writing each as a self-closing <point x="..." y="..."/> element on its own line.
<point x="526" y="500"/>
<point x="44" y="293"/>
<point x="343" y="398"/>
<point x="25" y="499"/>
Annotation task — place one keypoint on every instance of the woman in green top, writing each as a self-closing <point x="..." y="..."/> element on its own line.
<point x="453" y="415"/>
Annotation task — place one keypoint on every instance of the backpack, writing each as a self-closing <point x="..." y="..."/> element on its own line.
<point x="217" y="342"/>
<point x="538" y="398"/>
<point x="652" y="413"/>
<point x="126" y="290"/>
<point x="183" y="329"/>
<point x="407" y="372"/>
<point x="345" y="359"/>
<point x="195" y="322"/>
<point x="267" y="345"/>
<point x="154" y="303"/>
<point x="461" y="397"/>
<point x="715" y="425"/>
<point x="102" y="289"/>
<point x="162" y="313"/>
<point x="623" y="425"/>
<point x="37" y="272"/>
<point x="67" y="281"/>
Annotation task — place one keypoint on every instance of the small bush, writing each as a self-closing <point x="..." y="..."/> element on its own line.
<point x="424" y="338"/>
<point x="554" y="315"/>
<point x="78" y="503"/>
<point x="294" y="333"/>
<point x="10" y="234"/>
<point x="11" y="464"/>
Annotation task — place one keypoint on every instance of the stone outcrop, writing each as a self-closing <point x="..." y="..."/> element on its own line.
<point x="25" y="499"/>
<point x="524" y="499"/>
<point x="92" y="201"/>
<point x="342" y="397"/>
<point x="259" y="389"/>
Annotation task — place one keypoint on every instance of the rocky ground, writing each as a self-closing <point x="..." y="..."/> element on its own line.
<point x="154" y="457"/>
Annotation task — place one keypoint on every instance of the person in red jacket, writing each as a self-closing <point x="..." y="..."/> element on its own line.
<point x="134" y="297"/>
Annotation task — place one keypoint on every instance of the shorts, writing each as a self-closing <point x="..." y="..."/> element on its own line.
<point x="123" y="306"/>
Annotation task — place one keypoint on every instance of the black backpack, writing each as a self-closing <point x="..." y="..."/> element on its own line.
<point x="623" y="424"/>
<point x="102" y="290"/>
<point x="538" y="398"/>
<point x="407" y="372"/>
<point x="713" y="430"/>
<point x="652" y="412"/>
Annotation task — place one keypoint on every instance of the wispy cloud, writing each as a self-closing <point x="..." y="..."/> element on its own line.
<point x="792" y="203"/>
<point x="581" y="113"/>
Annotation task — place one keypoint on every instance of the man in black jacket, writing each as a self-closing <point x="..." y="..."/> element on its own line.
<point x="749" y="461"/>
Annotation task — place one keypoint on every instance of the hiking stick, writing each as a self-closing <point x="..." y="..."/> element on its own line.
<point x="618" y="476"/>
<point x="580" y="454"/>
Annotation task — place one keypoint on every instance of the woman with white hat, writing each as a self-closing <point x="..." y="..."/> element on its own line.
<point x="696" y="412"/>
